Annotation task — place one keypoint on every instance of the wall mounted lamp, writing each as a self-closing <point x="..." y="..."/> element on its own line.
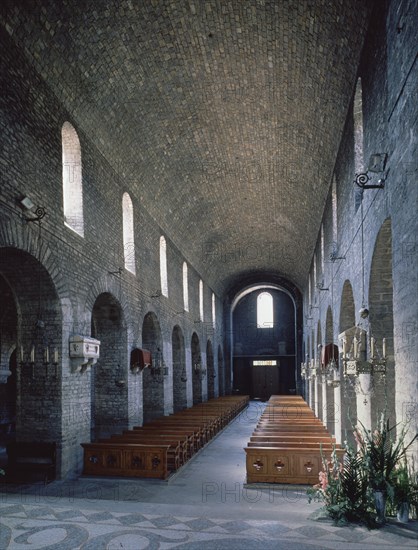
<point x="32" y="213"/>
<point x="377" y="165"/>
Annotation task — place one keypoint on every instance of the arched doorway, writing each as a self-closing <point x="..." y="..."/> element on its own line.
<point x="109" y="398"/>
<point x="318" y="380"/>
<point x="211" y="373"/>
<point x="328" y="391"/>
<point x="197" y="376"/>
<point x="179" y="370"/>
<point x="152" y="382"/>
<point x="8" y="340"/>
<point x="221" y="372"/>
<point x="349" y="399"/>
<point x="31" y="336"/>
<point x="381" y="325"/>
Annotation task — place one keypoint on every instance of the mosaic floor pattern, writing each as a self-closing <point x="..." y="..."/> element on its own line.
<point x="43" y="527"/>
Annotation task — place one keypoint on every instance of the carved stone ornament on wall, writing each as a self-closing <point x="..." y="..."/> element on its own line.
<point x="84" y="352"/>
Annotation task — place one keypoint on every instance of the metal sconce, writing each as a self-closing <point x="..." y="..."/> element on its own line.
<point x="377" y="165"/>
<point x="36" y="214"/>
<point x="31" y="362"/>
<point x="199" y="369"/>
<point x="158" y="368"/>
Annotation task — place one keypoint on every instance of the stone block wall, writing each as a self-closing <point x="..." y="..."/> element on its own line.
<point x="376" y="261"/>
<point x="81" y="282"/>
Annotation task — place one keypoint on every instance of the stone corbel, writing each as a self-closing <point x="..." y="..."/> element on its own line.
<point x="84" y="352"/>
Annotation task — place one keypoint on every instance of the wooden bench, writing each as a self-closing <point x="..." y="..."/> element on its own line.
<point x="192" y="437"/>
<point x="162" y="445"/>
<point x="292" y="465"/>
<point x="176" y="454"/>
<point x="288" y="444"/>
<point x="125" y="459"/>
<point x="25" y="459"/>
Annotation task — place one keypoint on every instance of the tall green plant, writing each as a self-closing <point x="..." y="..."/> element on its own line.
<point x="381" y="454"/>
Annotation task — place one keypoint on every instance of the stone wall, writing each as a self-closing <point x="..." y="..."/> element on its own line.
<point x="81" y="282"/>
<point x="375" y="261"/>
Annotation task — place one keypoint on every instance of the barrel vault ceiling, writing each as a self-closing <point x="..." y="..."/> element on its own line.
<point x="221" y="117"/>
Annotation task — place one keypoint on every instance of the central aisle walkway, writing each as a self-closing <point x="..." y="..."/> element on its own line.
<point x="205" y="506"/>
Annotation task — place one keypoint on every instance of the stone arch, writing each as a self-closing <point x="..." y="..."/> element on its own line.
<point x="329" y="327"/>
<point x="179" y="370"/>
<point x="347" y="309"/>
<point x="318" y="339"/>
<point x="349" y="399"/>
<point x="109" y="397"/>
<point x="221" y="372"/>
<point x="152" y="384"/>
<point x="319" y="391"/>
<point x="108" y="284"/>
<point x="312" y="350"/>
<point x="381" y="323"/>
<point x="329" y="407"/>
<point x="197" y="378"/>
<point x="211" y="373"/>
<point x="32" y="323"/>
<point x="26" y="239"/>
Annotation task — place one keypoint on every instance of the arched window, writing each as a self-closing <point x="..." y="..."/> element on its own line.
<point x="265" y="310"/>
<point x="128" y="233"/>
<point x="358" y="139"/>
<point x="72" y="180"/>
<point x="213" y="310"/>
<point x="201" y="316"/>
<point x="163" y="266"/>
<point x="185" y="287"/>
<point x="334" y="211"/>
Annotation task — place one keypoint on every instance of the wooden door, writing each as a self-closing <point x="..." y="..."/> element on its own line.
<point x="265" y="381"/>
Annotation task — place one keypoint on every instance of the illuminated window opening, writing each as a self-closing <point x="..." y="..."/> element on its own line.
<point x="266" y="363"/>
<point x="185" y="287"/>
<point x="265" y="310"/>
<point x="201" y="300"/>
<point x="128" y="233"/>
<point x="163" y="267"/>
<point x="72" y="179"/>
<point x="213" y="310"/>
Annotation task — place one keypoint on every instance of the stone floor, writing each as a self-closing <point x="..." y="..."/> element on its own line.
<point x="206" y="505"/>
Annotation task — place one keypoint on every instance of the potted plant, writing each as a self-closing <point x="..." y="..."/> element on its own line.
<point x="381" y="455"/>
<point x="405" y="491"/>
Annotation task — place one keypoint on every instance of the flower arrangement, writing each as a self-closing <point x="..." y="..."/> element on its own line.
<point x="349" y="489"/>
<point x="344" y="490"/>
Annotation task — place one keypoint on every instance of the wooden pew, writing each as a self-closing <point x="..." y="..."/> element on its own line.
<point x="125" y="459"/>
<point x="176" y="454"/>
<point x="162" y="445"/>
<point x="288" y="444"/>
<point x="292" y="465"/>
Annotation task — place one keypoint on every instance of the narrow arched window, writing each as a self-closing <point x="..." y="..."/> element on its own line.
<point x="334" y="211"/>
<point x="128" y="233"/>
<point x="358" y="139"/>
<point x="201" y="316"/>
<point x="213" y="310"/>
<point x="72" y="179"/>
<point x="265" y="310"/>
<point x="185" y="287"/>
<point x="163" y="266"/>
